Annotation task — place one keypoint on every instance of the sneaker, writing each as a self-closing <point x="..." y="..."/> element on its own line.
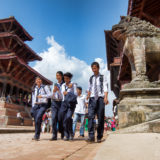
<point x="90" y="140"/>
<point x="99" y="140"/>
<point x="81" y="136"/>
<point x="62" y="136"/>
<point x="53" y="139"/>
<point x="66" y="139"/>
<point x="71" y="138"/>
<point x="35" y="139"/>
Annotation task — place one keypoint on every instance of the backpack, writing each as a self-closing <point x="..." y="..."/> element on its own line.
<point x="49" y="103"/>
<point x="101" y="81"/>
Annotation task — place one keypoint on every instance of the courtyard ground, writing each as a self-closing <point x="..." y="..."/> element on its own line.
<point x="116" y="146"/>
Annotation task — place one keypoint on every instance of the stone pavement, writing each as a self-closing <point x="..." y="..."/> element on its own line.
<point x="121" y="146"/>
<point x="137" y="146"/>
<point x="20" y="147"/>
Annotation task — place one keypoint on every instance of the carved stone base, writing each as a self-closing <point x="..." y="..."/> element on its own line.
<point x="142" y="84"/>
<point x="138" y="105"/>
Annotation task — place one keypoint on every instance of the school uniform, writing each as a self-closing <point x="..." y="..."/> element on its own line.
<point x="97" y="87"/>
<point x="79" y="113"/>
<point x="67" y="109"/>
<point x="39" y="106"/>
<point x="55" y="108"/>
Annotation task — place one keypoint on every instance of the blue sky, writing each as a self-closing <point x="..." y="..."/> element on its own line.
<point x="78" y="25"/>
<point x="68" y="34"/>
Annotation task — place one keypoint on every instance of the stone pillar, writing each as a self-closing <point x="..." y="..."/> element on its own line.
<point x="4" y="89"/>
<point x="11" y="91"/>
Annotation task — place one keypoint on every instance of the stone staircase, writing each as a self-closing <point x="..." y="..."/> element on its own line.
<point x="152" y="126"/>
<point x="8" y="114"/>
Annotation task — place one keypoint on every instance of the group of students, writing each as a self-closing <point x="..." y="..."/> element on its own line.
<point x="67" y="99"/>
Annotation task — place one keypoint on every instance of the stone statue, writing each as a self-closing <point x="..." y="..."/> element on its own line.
<point x="141" y="46"/>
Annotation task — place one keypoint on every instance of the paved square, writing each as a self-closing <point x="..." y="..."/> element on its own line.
<point x="20" y="147"/>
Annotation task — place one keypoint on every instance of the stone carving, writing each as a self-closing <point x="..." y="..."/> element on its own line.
<point x="141" y="46"/>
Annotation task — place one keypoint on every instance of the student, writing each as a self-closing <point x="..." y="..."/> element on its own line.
<point x="68" y="105"/>
<point x="80" y="111"/>
<point x="98" y="97"/>
<point x="39" y="105"/>
<point x="56" y="104"/>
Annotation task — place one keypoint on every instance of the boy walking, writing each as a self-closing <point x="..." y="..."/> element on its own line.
<point x="79" y="112"/>
<point x="98" y="97"/>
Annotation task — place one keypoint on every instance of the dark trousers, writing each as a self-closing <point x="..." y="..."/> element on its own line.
<point x="66" y="115"/>
<point x="56" y="118"/>
<point x="96" y="107"/>
<point x="37" y="112"/>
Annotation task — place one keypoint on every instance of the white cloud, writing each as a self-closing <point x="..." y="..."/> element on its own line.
<point x="56" y="58"/>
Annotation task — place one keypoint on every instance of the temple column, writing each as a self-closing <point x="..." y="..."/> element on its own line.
<point x="4" y="89"/>
<point x="11" y="91"/>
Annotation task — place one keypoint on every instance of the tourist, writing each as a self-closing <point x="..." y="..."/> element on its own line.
<point x="113" y="124"/>
<point x="19" y="116"/>
<point x="98" y="97"/>
<point x="56" y="104"/>
<point x="39" y="104"/>
<point x="68" y="105"/>
<point x="49" y="121"/>
<point x="79" y="112"/>
<point x="44" y="122"/>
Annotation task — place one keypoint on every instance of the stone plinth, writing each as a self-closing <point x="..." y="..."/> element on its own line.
<point x="138" y="105"/>
<point x="8" y="114"/>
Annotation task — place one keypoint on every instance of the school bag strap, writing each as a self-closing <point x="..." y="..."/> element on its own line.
<point x="101" y="81"/>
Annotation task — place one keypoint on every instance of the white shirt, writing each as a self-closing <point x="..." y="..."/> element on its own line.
<point x="58" y="94"/>
<point x="19" y="115"/>
<point x="72" y="90"/>
<point x="44" y="91"/>
<point x="81" y="106"/>
<point x="98" y="83"/>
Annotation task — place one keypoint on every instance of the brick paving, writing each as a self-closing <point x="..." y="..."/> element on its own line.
<point x="20" y="147"/>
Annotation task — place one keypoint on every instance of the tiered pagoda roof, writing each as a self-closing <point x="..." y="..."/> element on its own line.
<point x="15" y="54"/>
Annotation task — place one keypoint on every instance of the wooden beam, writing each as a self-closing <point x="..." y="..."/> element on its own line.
<point x="10" y="27"/>
<point x="142" y="8"/>
<point x="21" y="71"/>
<point x="148" y="17"/>
<point x="9" y="65"/>
<point x="14" y="69"/>
<point x="29" y="79"/>
<point x="10" y="42"/>
<point x="14" y="46"/>
<point x="18" y="72"/>
<point x="4" y="27"/>
<point x="3" y="43"/>
<point x="1" y="67"/>
<point x="20" y="50"/>
<point x="24" y="76"/>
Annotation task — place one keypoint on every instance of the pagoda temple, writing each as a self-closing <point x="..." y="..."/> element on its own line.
<point x="118" y="63"/>
<point x="16" y="76"/>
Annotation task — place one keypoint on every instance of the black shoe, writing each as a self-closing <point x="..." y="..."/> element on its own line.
<point x="66" y="139"/>
<point x="53" y="139"/>
<point x="62" y="136"/>
<point x="71" y="138"/>
<point x="35" y="139"/>
<point x="90" y="140"/>
<point x="99" y="140"/>
<point x="81" y="136"/>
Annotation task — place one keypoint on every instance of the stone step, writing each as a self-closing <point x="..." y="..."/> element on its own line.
<point x="11" y="120"/>
<point x="147" y="127"/>
<point x="12" y="112"/>
<point x="11" y="106"/>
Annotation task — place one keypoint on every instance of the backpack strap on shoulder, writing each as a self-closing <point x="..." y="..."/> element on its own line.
<point x="101" y="82"/>
<point x="91" y="78"/>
